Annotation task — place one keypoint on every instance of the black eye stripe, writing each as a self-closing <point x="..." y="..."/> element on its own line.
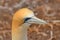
<point x="26" y="19"/>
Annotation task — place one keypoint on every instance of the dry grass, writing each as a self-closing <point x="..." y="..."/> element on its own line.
<point x="48" y="10"/>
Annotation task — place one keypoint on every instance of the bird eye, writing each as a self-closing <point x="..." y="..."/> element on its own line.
<point x="26" y="19"/>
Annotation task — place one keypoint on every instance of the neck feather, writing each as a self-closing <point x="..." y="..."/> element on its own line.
<point x="20" y="33"/>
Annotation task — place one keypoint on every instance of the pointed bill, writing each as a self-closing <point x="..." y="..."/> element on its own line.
<point x="36" y="20"/>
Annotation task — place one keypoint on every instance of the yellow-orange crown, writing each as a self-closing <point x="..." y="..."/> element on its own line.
<point x="20" y="14"/>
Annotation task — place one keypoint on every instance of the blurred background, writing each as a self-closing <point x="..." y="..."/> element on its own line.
<point x="48" y="10"/>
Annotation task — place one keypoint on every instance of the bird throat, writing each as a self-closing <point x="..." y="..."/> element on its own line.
<point x="20" y="33"/>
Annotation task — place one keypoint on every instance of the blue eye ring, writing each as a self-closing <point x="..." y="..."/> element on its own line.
<point x="26" y="19"/>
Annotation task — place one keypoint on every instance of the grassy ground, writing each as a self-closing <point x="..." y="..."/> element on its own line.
<point x="48" y="10"/>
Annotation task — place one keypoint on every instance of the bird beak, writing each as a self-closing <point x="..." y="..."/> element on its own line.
<point x="37" y="20"/>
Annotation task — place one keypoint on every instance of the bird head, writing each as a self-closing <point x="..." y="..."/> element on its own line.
<point x="26" y="15"/>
